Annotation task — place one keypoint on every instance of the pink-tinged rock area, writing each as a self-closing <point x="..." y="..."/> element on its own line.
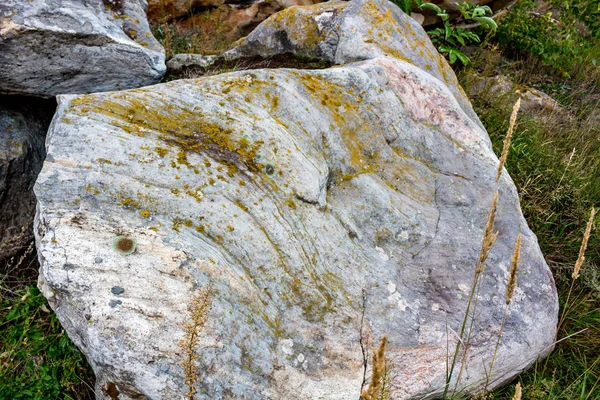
<point x="325" y="208"/>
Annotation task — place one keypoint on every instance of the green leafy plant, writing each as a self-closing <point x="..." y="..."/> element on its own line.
<point x="564" y="38"/>
<point x="585" y="11"/>
<point x="406" y="5"/>
<point x="451" y="37"/>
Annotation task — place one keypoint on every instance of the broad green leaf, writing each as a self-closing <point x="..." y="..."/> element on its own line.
<point x="431" y="6"/>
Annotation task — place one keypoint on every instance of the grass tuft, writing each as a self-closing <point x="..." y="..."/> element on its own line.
<point x="37" y="358"/>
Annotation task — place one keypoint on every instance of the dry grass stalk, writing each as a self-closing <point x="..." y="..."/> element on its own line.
<point x="375" y="390"/>
<point x="512" y="280"/>
<point x="168" y="40"/>
<point x="198" y="310"/>
<point x="510" y="289"/>
<point x="507" y="139"/>
<point x="489" y="238"/>
<point x="517" y="395"/>
<point x="576" y="269"/>
<point x="586" y="236"/>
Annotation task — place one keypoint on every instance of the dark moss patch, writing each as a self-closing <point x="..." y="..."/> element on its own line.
<point x="110" y="389"/>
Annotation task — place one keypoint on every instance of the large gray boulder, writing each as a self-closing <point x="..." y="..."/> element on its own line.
<point x="50" y="47"/>
<point x="325" y="208"/>
<point x="23" y="125"/>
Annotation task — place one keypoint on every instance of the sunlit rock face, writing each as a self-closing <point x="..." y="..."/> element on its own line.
<point x="51" y="47"/>
<point x="325" y="208"/>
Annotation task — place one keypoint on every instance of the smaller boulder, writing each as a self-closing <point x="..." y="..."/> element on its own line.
<point x="534" y="103"/>
<point x="56" y="47"/>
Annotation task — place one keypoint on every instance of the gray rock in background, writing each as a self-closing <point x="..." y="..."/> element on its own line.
<point x="50" y="47"/>
<point x="534" y="103"/>
<point x="326" y="208"/>
<point x="23" y="125"/>
<point x="181" y="62"/>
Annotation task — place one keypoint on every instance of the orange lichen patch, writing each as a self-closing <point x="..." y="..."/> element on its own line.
<point x="90" y="189"/>
<point x="145" y="213"/>
<point x="176" y="224"/>
<point x="187" y="130"/>
<point x="345" y="108"/>
<point x="141" y="202"/>
<point x="161" y="151"/>
<point x="129" y="202"/>
<point x="106" y="161"/>
<point x="196" y="194"/>
<point x="290" y="203"/>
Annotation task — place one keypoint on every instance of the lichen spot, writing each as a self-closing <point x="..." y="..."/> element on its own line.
<point x="270" y="169"/>
<point x="124" y="245"/>
<point x="145" y="213"/>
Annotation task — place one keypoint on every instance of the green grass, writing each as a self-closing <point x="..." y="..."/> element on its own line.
<point x="37" y="358"/>
<point x="556" y="197"/>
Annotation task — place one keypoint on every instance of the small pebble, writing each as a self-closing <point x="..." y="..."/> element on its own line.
<point x="117" y="290"/>
<point x="98" y="260"/>
<point x="114" y="303"/>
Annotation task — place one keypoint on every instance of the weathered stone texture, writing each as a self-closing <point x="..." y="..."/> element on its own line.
<point x="57" y="46"/>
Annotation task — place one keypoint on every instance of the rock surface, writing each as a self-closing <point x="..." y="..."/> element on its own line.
<point x="50" y="47"/>
<point x="23" y="125"/>
<point x="326" y="208"/>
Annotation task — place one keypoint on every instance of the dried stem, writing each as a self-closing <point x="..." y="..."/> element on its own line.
<point x="517" y="395"/>
<point x="586" y="237"/>
<point x="375" y="391"/>
<point x="489" y="238"/>
<point x="576" y="269"/>
<point x="510" y="289"/>
<point x="488" y="241"/>
<point x="198" y="312"/>
<point x="507" y="139"/>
